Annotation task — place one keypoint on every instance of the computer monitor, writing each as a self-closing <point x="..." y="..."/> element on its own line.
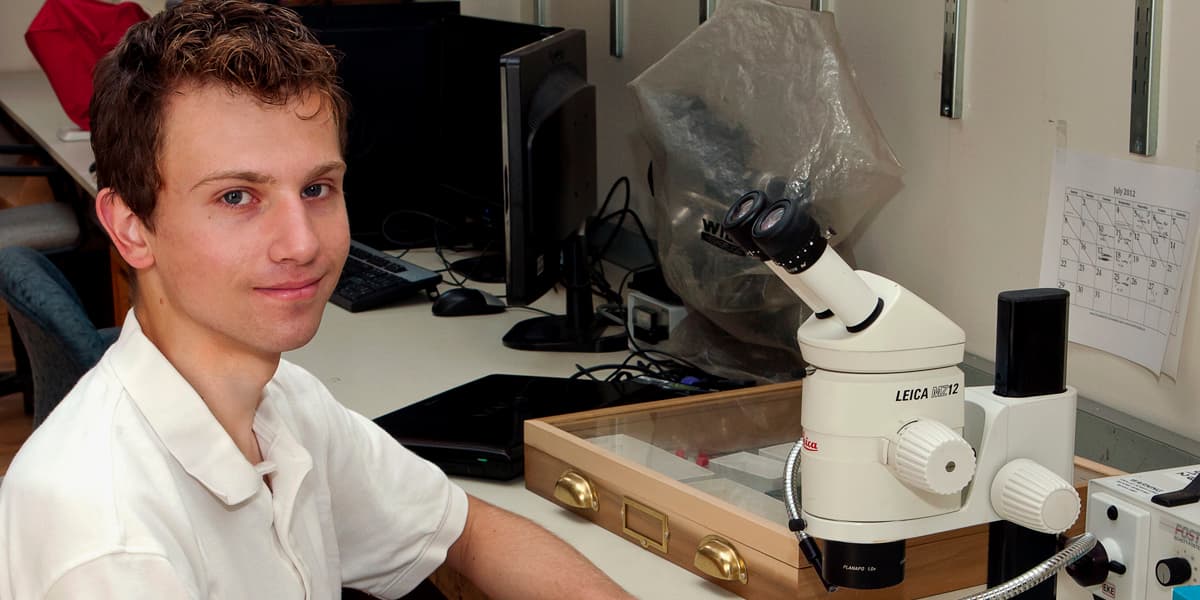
<point x="422" y="81"/>
<point x="549" y="132"/>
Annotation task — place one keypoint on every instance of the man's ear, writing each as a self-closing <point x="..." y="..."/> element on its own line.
<point x="125" y="229"/>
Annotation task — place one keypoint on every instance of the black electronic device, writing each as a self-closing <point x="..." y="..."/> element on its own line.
<point x="424" y="129"/>
<point x="462" y="302"/>
<point x="477" y="429"/>
<point x="549" y="133"/>
<point x="371" y="279"/>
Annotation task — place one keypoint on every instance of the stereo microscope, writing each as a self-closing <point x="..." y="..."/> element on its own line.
<point x="894" y="445"/>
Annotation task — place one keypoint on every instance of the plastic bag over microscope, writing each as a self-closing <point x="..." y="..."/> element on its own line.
<point x="761" y="96"/>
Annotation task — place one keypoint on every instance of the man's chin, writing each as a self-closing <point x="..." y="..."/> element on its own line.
<point x="290" y="332"/>
<point x="297" y="338"/>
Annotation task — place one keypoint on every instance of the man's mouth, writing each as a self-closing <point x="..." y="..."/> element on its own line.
<point x="296" y="289"/>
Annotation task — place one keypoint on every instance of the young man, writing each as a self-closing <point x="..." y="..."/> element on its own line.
<point x="193" y="462"/>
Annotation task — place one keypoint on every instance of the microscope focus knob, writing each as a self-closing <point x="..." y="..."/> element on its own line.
<point x="931" y="457"/>
<point x="1033" y="496"/>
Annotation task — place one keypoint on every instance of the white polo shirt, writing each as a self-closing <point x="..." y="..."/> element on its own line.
<point x="131" y="489"/>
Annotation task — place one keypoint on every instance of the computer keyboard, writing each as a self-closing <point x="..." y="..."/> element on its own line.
<point x="372" y="279"/>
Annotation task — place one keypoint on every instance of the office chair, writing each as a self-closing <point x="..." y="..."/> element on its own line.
<point x="61" y="342"/>
<point x="51" y="227"/>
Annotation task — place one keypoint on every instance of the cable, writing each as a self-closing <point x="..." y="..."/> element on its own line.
<point x="583" y="371"/>
<point x="434" y="219"/>
<point x="1078" y="546"/>
<point x="641" y="228"/>
<point x="625" y="280"/>
<point x="646" y="353"/>
<point x="598" y="276"/>
<point x="437" y="249"/>
<point x="537" y="310"/>
<point x="613" y="188"/>
<point x="808" y="546"/>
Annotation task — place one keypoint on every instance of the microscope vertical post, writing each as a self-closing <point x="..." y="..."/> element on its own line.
<point x="1031" y="357"/>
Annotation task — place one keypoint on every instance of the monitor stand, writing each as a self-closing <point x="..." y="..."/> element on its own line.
<point x="577" y="331"/>
<point x="485" y="268"/>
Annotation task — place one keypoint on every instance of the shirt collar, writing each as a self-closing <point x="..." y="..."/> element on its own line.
<point x="180" y="418"/>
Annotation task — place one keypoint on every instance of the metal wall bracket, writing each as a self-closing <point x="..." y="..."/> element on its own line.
<point x="616" y="28"/>
<point x="953" y="58"/>
<point x="819" y="5"/>
<point x="706" y="9"/>
<point x="1147" y="55"/>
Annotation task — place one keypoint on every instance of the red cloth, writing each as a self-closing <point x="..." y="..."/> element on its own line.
<point x="68" y="37"/>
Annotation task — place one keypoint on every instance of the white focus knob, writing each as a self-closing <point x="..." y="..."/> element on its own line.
<point x="1033" y="496"/>
<point x="933" y="458"/>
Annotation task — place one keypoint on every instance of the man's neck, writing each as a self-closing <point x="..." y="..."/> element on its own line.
<point x="228" y="377"/>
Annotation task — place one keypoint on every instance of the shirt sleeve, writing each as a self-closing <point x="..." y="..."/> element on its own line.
<point x="395" y="514"/>
<point x="121" y="576"/>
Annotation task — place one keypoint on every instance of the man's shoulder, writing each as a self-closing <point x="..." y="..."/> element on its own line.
<point x="74" y="452"/>
<point x="85" y="414"/>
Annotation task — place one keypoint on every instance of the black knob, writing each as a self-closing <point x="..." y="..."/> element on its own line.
<point x="1092" y="568"/>
<point x="1173" y="571"/>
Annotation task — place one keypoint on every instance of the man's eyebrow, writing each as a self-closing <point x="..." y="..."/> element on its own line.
<point x="326" y="168"/>
<point x="256" y="177"/>
<point x="249" y="176"/>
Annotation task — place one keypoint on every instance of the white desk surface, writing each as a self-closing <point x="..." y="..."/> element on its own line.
<point x="28" y="98"/>
<point x="381" y="360"/>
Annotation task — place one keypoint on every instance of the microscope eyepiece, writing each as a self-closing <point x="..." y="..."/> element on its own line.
<point x="789" y="236"/>
<point x="740" y="218"/>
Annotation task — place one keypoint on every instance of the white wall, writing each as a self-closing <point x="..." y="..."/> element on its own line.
<point x="969" y="221"/>
<point x="15" y="17"/>
<point x="504" y="10"/>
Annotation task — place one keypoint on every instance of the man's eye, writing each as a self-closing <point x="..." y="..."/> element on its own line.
<point x="235" y="198"/>
<point x="315" y="190"/>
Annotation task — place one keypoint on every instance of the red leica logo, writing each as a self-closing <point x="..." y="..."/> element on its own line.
<point x="810" y="445"/>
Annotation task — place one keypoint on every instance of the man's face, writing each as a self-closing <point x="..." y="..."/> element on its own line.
<point x="250" y="230"/>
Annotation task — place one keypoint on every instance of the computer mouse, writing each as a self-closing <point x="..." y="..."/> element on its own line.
<point x="459" y="302"/>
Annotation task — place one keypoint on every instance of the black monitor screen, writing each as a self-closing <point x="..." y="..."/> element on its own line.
<point x="549" y="133"/>
<point x="550" y="158"/>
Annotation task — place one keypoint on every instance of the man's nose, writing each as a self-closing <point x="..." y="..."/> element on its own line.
<point x="293" y="233"/>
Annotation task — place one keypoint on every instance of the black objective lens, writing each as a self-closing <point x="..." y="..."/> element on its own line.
<point x="789" y="236"/>
<point x="864" y="566"/>
<point x="739" y="220"/>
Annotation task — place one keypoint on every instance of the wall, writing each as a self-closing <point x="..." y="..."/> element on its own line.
<point x="969" y="221"/>
<point x="15" y="17"/>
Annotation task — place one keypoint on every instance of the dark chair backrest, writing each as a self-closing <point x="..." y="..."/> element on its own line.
<point x="61" y="341"/>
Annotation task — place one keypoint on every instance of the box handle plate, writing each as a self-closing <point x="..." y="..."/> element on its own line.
<point x="644" y="524"/>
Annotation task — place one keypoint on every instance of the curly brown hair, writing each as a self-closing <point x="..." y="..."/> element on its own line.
<point x="258" y="49"/>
